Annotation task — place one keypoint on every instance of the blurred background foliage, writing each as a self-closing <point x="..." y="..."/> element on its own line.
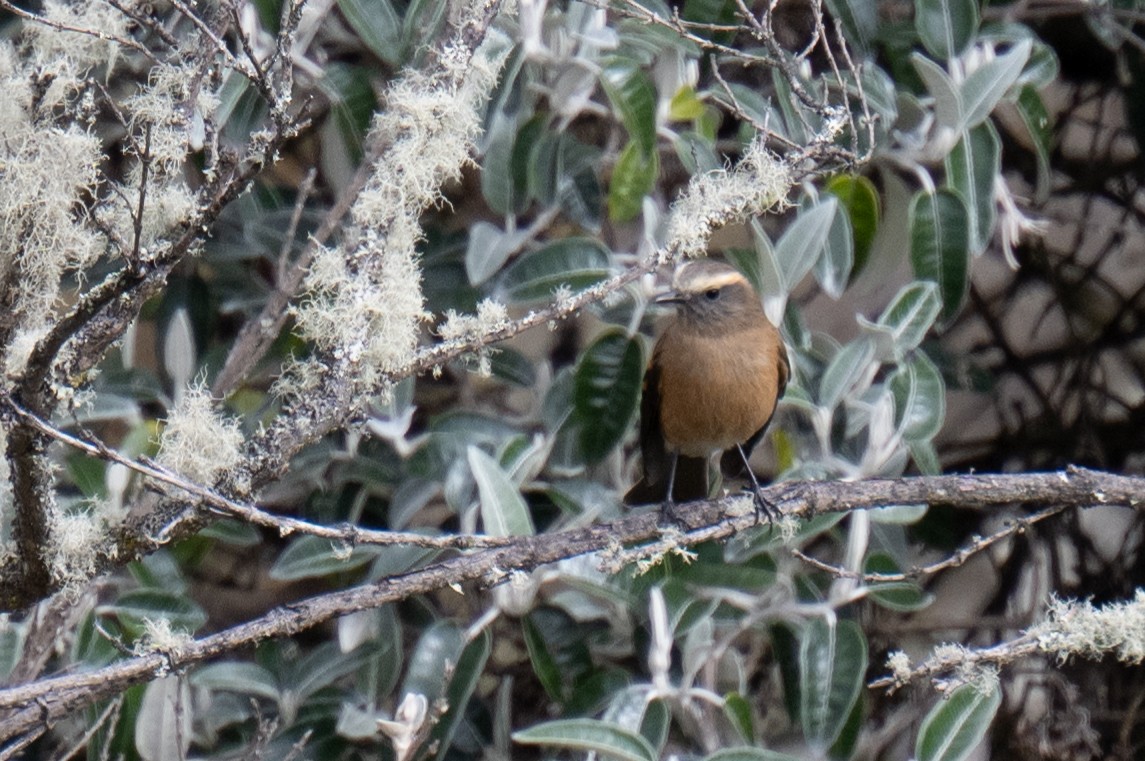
<point x="968" y="296"/>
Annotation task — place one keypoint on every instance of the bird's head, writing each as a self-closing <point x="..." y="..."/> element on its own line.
<point x="713" y="296"/>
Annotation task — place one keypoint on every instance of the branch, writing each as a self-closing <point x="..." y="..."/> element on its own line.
<point x="979" y="544"/>
<point x="50" y="699"/>
<point x="345" y="534"/>
<point x="35" y="18"/>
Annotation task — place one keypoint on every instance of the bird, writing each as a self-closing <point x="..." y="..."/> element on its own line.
<point x="716" y="375"/>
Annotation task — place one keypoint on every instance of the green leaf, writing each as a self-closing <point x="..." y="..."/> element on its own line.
<point x="573" y="262"/>
<point x="769" y="282"/>
<point x="803" y="241"/>
<point x="754" y="575"/>
<point x="925" y="457"/>
<point x="423" y="21"/>
<point x="308" y="557"/>
<point x="710" y="13"/>
<point x="134" y="607"/>
<point x="11" y="647"/>
<point x="1040" y="128"/>
<point x="606" y="391"/>
<point x="749" y="754"/>
<point x="159" y="571"/>
<point x="506" y="100"/>
<point x="695" y="153"/>
<point x="833" y="269"/>
<point x="544" y="665"/>
<point x="435" y="653"/>
<point x="503" y="509"/>
<point x="657" y="723"/>
<point x="815" y="526"/>
<point x="847" y="367"/>
<point x="465" y="673"/>
<point x="239" y="677"/>
<point x="844" y="745"/>
<point x="352" y="106"/>
<point x="948" y="109"/>
<point x="909" y="316"/>
<point x="920" y="398"/>
<point x="738" y="711"/>
<point x="832" y="663"/>
<point x="513" y="367"/>
<point x="633" y="96"/>
<point x="982" y="90"/>
<point x="860" y="199"/>
<point x="945" y="27"/>
<point x="796" y="128"/>
<point x="163" y="724"/>
<point x="320" y="668"/>
<point x="542" y="173"/>
<point x="902" y="596"/>
<point x="685" y="106"/>
<point x="860" y="20"/>
<point x="499" y="183"/>
<point x="232" y="532"/>
<point x="971" y="168"/>
<point x="1043" y="66"/>
<point x="749" y="263"/>
<point x="529" y="135"/>
<point x="898" y="515"/>
<point x="632" y="179"/>
<point x="487" y="250"/>
<point x="589" y="735"/>
<point x="754" y="104"/>
<point x="379" y="26"/>
<point x="940" y="245"/>
<point x="955" y="726"/>
<point x="578" y="189"/>
<point x="88" y="475"/>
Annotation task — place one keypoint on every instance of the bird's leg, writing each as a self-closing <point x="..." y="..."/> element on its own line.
<point x="762" y="506"/>
<point x="667" y="508"/>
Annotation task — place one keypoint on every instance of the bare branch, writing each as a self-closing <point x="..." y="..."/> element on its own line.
<point x="97" y="33"/>
<point x="1016" y="526"/>
<point x="346" y="534"/>
<point x="49" y="699"/>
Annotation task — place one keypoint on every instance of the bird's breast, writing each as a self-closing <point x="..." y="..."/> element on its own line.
<point x="716" y="391"/>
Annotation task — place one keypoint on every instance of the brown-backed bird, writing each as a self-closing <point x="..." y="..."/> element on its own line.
<point x="717" y="372"/>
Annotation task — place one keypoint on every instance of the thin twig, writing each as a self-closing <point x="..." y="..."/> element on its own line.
<point x="1017" y="526"/>
<point x="349" y="535"/>
<point x="219" y="45"/>
<point x="62" y="27"/>
<point x="107" y="716"/>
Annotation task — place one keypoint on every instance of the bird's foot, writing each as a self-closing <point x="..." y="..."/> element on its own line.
<point x="764" y="508"/>
<point x="669" y="518"/>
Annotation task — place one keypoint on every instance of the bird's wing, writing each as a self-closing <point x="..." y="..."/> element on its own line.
<point x="691" y="472"/>
<point x="730" y="461"/>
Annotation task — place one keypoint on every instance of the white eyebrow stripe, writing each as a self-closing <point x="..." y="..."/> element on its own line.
<point x="718" y="280"/>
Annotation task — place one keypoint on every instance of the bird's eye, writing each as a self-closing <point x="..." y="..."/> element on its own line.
<point x="712" y="294"/>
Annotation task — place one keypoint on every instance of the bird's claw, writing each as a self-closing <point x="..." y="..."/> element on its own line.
<point x="764" y="508"/>
<point x="669" y="518"/>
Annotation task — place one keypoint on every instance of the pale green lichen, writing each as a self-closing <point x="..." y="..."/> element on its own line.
<point x="159" y="636"/>
<point x="757" y="183"/>
<point x="60" y="57"/>
<point x="363" y="302"/>
<point x="491" y="316"/>
<point x="74" y="538"/>
<point x="42" y="235"/>
<point x="197" y="442"/>
<point x="1077" y="627"/>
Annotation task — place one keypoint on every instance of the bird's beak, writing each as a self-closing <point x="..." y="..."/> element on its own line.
<point x="668" y="297"/>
